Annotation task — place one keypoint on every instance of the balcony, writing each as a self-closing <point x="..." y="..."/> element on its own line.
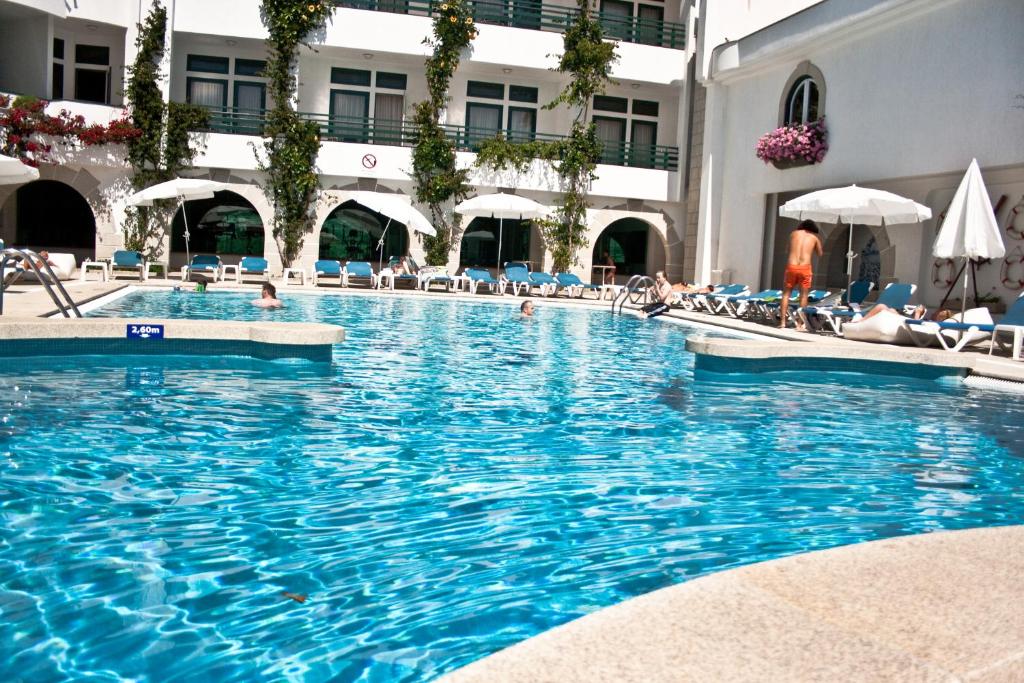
<point x="531" y="14"/>
<point x="403" y="134"/>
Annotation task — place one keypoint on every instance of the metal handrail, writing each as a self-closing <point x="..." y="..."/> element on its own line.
<point x="367" y="130"/>
<point x="637" y="287"/>
<point x="532" y="14"/>
<point x="31" y="258"/>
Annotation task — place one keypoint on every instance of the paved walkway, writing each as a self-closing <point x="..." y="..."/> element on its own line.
<point x="946" y="606"/>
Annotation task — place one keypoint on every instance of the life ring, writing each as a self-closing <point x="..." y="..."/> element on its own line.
<point x="1009" y="262"/>
<point x="1011" y="221"/>
<point x="937" y="278"/>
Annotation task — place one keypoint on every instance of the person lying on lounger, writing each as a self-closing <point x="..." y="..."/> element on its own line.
<point x="919" y="313"/>
<point x="44" y="257"/>
<point x="685" y="288"/>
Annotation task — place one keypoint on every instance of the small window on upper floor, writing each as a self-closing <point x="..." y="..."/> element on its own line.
<point x="802" y="101"/>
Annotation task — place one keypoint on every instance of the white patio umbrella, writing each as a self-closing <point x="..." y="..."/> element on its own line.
<point x="396" y="209"/>
<point x="855" y="205"/>
<point x="501" y="206"/>
<point x="14" y="172"/>
<point x="182" y="189"/>
<point x="970" y="230"/>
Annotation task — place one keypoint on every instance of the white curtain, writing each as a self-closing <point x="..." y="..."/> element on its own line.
<point x="521" y="123"/>
<point x="207" y="93"/>
<point x="387" y="117"/>
<point x="611" y="132"/>
<point x="249" y="96"/>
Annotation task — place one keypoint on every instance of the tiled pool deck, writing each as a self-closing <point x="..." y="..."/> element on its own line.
<point x="943" y="606"/>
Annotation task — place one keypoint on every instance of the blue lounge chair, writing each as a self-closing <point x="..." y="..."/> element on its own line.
<point x="361" y="270"/>
<point x="859" y="290"/>
<point x="739" y="305"/>
<point x="953" y="334"/>
<point x="545" y="282"/>
<point x="391" y="279"/>
<point x="475" y="277"/>
<point x="253" y="265"/>
<point x="714" y="303"/>
<point x="202" y="263"/>
<point x="327" y="268"/>
<point x="517" y="275"/>
<point x="770" y="309"/>
<point x="129" y="261"/>
<point x="572" y="283"/>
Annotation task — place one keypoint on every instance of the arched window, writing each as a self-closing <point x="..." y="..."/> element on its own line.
<point x="802" y="102"/>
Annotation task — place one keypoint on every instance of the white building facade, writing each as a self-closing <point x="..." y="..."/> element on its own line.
<point x="358" y="80"/>
<point x="911" y="91"/>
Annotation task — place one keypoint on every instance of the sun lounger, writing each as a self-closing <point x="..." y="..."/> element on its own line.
<point x="131" y="261"/>
<point x="572" y="283"/>
<point x="771" y="308"/>
<point x="818" y="316"/>
<point x="885" y="328"/>
<point x="253" y="265"/>
<point x="548" y="285"/>
<point x="389" y="278"/>
<point x="714" y="302"/>
<point x="327" y="268"/>
<point x="519" y="277"/>
<point x="737" y="306"/>
<point x="434" y="275"/>
<point x="954" y="333"/>
<point x="204" y="264"/>
<point x="361" y="270"/>
<point x="1012" y="322"/>
<point x="478" y="276"/>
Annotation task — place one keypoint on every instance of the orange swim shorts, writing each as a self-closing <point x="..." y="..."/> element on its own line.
<point x="798" y="277"/>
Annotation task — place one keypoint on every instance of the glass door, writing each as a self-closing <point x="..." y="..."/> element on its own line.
<point x="387" y="118"/>
<point x="612" y="134"/>
<point x="350" y="116"/>
<point x="643" y="144"/>
<point x="250" y="103"/>
<point x="617" y="19"/>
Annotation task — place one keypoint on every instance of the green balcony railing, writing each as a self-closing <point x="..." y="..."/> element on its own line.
<point x="532" y="14"/>
<point x="368" y="131"/>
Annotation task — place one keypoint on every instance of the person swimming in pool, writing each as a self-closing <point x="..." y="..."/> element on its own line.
<point x="268" y="298"/>
<point x="526" y="309"/>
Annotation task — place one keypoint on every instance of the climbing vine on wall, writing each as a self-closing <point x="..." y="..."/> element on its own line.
<point x="291" y="143"/>
<point x="163" y="146"/>
<point x="587" y="59"/>
<point x="440" y="183"/>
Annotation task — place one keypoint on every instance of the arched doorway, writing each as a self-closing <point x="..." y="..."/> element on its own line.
<point x="633" y="246"/>
<point x="52" y="215"/>
<point x="353" y="232"/>
<point x="480" y="242"/>
<point x="227" y="225"/>
<point x="867" y="265"/>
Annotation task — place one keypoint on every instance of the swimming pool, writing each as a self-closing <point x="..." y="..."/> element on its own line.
<point x="457" y="480"/>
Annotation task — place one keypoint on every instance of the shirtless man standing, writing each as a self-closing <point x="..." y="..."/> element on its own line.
<point x="803" y="245"/>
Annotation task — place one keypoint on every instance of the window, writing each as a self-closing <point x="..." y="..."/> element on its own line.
<point x="522" y="124"/>
<point x="207" y="64"/>
<point x="92" y="85"/>
<point x="57" y="80"/>
<point x="642" y="147"/>
<point x="250" y="102"/>
<point x="645" y="108"/>
<point x="521" y="93"/>
<point x="492" y="91"/>
<point x="612" y="134"/>
<point x="649" y="23"/>
<point x="482" y="121"/>
<point x="350" y="115"/>
<point x="390" y="81"/>
<point x="206" y="92"/>
<point x="617" y="18"/>
<point x="249" y="67"/>
<point x="350" y="77"/>
<point x="92" y="54"/>
<point x="802" y="102"/>
<point x="619" y="105"/>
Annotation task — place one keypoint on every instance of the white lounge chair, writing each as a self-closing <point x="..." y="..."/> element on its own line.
<point x="954" y="333"/>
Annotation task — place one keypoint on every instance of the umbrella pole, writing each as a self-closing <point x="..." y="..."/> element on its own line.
<point x="967" y="276"/>
<point x="500" y="220"/>
<point x="849" y="263"/>
<point x="184" y="218"/>
<point x="380" y="245"/>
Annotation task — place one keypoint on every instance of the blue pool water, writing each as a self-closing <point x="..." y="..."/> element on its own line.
<point x="458" y="480"/>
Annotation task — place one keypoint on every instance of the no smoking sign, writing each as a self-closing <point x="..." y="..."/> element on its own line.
<point x="369" y="161"/>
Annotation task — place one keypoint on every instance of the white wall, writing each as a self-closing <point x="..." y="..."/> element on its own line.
<point x="900" y="104"/>
<point x="24" y="55"/>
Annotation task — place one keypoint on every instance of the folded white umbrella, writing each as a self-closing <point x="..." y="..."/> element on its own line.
<point x="396" y="209"/>
<point x="970" y="230"/>
<point x="182" y="189"/>
<point x="855" y="205"/>
<point x="14" y="172"/>
<point x="501" y="206"/>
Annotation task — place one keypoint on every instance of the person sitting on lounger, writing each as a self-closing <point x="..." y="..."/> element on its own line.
<point x="268" y="298"/>
<point x="44" y="257"/>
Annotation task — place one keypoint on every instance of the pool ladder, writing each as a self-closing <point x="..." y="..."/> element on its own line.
<point x="639" y="288"/>
<point x="11" y="257"/>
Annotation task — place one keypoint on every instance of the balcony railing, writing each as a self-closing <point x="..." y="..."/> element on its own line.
<point x="403" y="134"/>
<point x="532" y="14"/>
